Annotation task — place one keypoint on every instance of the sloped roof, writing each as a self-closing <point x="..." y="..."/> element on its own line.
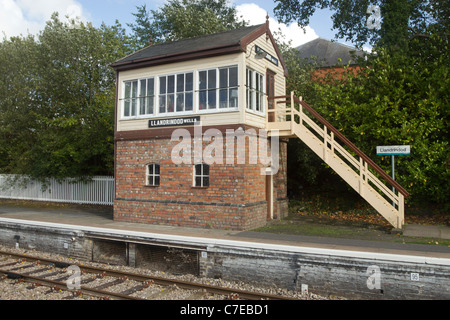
<point x="226" y="42"/>
<point x="329" y="53"/>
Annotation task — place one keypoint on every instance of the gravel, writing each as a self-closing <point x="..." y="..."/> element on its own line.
<point x="13" y="290"/>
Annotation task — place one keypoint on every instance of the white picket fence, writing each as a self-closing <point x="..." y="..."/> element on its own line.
<point x="100" y="190"/>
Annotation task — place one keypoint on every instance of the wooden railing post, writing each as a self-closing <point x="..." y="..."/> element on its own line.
<point x="332" y="142"/>
<point x="401" y="210"/>
<point x="361" y="164"/>
<point x="301" y="112"/>
<point x="325" y="143"/>
<point x="362" y="174"/>
<point x="292" y="111"/>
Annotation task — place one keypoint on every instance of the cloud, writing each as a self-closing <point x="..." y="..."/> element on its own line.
<point x="22" y="17"/>
<point x="254" y="14"/>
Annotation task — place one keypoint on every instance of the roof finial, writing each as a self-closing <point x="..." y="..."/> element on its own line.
<point x="151" y="41"/>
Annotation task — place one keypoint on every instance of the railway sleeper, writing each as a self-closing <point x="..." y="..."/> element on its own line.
<point x="109" y="284"/>
<point x="164" y="292"/>
<point x="23" y="267"/>
<point x="36" y="271"/>
<point x="134" y="289"/>
<point x="8" y="264"/>
<point x="14" y="276"/>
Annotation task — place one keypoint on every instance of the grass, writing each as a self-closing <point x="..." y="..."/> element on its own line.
<point x="309" y="229"/>
<point x="344" y="215"/>
<point x="347" y="206"/>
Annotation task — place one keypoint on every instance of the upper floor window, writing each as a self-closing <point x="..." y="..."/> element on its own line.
<point x="139" y="97"/>
<point x="176" y="93"/>
<point x="218" y="88"/>
<point x="130" y="100"/>
<point x="255" y="90"/>
<point x="146" y="96"/>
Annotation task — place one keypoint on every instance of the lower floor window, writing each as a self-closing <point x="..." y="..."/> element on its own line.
<point x="153" y="174"/>
<point x="201" y="175"/>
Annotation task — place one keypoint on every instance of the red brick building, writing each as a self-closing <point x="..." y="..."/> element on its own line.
<point x="215" y="84"/>
<point x="331" y="58"/>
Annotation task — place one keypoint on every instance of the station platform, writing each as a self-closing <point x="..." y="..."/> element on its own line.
<point x="85" y="217"/>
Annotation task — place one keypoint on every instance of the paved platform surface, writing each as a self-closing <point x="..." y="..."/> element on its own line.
<point x="92" y="217"/>
<point x="428" y="231"/>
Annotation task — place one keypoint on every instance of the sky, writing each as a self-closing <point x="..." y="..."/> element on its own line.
<point x="20" y="17"/>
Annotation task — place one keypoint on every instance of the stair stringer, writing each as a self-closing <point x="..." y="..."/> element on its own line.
<point x="380" y="204"/>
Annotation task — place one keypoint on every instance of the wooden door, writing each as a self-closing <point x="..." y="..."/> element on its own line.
<point x="270" y="90"/>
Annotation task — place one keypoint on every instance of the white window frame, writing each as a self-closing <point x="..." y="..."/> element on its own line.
<point x="152" y="178"/>
<point x="130" y="100"/>
<point x="201" y="176"/>
<point x="255" y="91"/>
<point x="217" y="89"/>
<point x="137" y="96"/>
<point x="176" y="94"/>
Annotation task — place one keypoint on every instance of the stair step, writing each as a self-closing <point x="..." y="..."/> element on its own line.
<point x="349" y="175"/>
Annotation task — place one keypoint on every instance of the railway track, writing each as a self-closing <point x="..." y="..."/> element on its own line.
<point x="76" y="280"/>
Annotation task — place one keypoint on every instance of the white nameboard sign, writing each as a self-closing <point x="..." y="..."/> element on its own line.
<point x="174" y="122"/>
<point x="393" y="150"/>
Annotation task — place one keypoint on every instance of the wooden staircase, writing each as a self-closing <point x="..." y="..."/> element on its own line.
<point x="292" y="117"/>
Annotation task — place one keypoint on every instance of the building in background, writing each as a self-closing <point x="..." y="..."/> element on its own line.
<point x="330" y="57"/>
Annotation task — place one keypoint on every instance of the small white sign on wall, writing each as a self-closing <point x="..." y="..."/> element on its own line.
<point x="415" y="276"/>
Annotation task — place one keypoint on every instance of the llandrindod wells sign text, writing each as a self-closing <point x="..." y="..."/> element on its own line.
<point x="173" y="122"/>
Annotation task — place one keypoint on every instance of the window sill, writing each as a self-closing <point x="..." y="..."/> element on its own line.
<point x="257" y="113"/>
<point x="181" y="114"/>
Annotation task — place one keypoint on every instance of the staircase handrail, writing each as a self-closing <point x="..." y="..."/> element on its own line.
<point x="355" y="149"/>
<point x="345" y="141"/>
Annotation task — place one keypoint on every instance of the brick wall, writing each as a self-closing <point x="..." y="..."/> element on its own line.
<point x="235" y="198"/>
<point x="327" y="274"/>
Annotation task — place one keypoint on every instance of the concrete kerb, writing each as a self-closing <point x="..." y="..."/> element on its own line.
<point x="426" y="231"/>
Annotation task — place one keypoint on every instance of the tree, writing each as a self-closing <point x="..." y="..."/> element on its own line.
<point x="400" y="19"/>
<point x="398" y="98"/>
<point x="57" y="117"/>
<point x="18" y="68"/>
<point x="180" y="19"/>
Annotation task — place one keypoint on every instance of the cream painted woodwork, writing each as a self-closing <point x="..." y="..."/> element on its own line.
<point x="240" y="115"/>
<point x="359" y="171"/>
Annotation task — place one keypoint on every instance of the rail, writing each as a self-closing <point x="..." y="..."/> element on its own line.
<point x="229" y="293"/>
